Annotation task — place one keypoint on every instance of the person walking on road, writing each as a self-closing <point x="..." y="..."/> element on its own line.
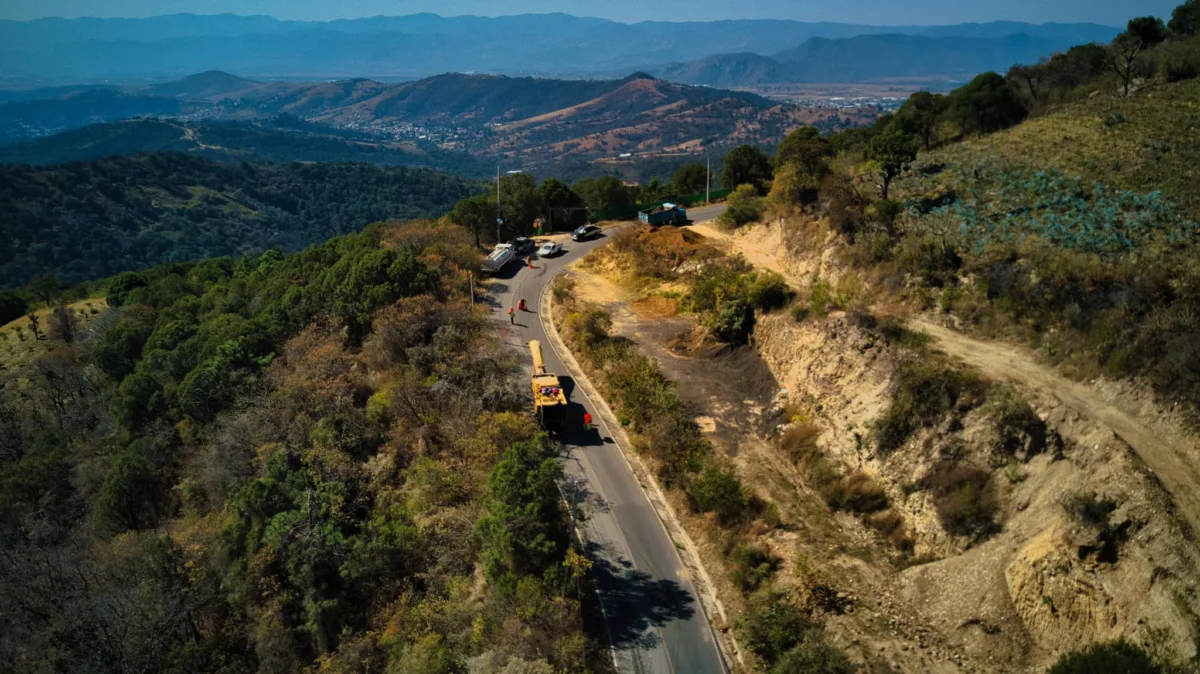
<point x="587" y="422"/>
<point x="521" y="305"/>
<point x="512" y="316"/>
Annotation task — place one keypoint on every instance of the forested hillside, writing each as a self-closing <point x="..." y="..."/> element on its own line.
<point x="280" y="139"/>
<point x="281" y="463"/>
<point x="93" y="219"/>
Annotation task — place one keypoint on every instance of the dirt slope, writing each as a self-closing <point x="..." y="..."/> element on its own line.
<point x="1165" y="450"/>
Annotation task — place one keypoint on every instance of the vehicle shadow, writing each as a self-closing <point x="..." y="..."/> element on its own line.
<point x="635" y="602"/>
<point x="573" y="432"/>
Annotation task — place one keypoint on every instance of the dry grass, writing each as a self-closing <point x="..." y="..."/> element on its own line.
<point x="18" y="345"/>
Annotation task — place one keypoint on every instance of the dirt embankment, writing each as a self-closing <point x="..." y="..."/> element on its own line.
<point x="1094" y="539"/>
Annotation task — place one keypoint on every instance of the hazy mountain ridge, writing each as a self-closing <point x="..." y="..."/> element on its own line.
<point x="422" y="44"/>
<point x="866" y="58"/>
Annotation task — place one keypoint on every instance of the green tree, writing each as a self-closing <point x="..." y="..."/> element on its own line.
<point x="477" y="214"/>
<point x="45" y="287"/>
<point x="690" y="179"/>
<point x="605" y="193"/>
<point x="921" y="113"/>
<point x="806" y="149"/>
<point x="561" y="205"/>
<point x="746" y="165"/>
<point x="120" y="287"/>
<point x="1149" y="30"/>
<point x="1185" y="19"/>
<point x="1112" y="657"/>
<point x="985" y="104"/>
<point x="360" y="284"/>
<point x="126" y="499"/>
<point x="519" y="532"/>
<point x="892" y="151"/>
<point x="520" y="203"/>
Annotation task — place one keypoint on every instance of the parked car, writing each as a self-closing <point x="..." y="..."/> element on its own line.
<point x="522" y="245"/>
<point x="584" y="233"/>
<point x="549" y="249"/>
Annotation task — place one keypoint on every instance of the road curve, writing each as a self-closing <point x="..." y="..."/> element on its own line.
<point x="655" y="622"/>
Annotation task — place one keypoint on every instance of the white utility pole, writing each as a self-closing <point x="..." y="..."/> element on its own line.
<point x="499" y="213"/>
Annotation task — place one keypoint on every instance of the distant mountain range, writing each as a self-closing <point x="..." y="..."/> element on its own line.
<point x="445" y="122"/>
<point x="867" y="58"/>
<point x="421" y="45"/>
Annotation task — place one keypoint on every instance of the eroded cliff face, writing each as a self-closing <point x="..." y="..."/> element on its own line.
<point x="1084" y="544"/>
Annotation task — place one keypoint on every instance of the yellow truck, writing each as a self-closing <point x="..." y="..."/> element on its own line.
<point x="549" y="398"/>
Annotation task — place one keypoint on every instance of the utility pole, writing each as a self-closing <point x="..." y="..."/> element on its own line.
<point x="499" y="212"/>
<point x="708" y="180"/>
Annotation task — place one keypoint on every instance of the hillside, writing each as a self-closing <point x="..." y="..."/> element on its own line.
<point x="1148" y="143"/>
<point x="93" y="219"/>
<point x="210" y="84"/>
<point x="23" y="119"/>
<point x="433" y="122"/>
<point x="422" y="45"/>
<point x="284" y="468"/>
<point x="275" y="140"/>
<point x="868" y="58"/>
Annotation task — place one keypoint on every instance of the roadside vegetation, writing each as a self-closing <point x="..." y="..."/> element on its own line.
<point x="317" y="461"/>
<point x="784" y="633"/>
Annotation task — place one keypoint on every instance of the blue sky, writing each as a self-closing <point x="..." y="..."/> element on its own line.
<point x="879" y="12"/>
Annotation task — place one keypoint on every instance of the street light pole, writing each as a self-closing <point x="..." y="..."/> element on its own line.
<point x="708" y="180"/>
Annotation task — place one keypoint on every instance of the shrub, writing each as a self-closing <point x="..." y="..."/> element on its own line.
<point x="718" y="490"/>
<point x="772" y="625"/>
<point x="1019" y="430"/>
<point x="1088" y="509"/>
<point x="769" y="291"/>
<point x="745" y="207"/>
<point x="1111" y="657"/>
<point x="799" y="442"/>
<point x="752" y="566"/>
<point x="857" y="493"/>
<point x="814" y="655"/>
<point x="590" y="327"/>
<point x="733" y="322"/>
<point x="963" y="498"/>
<point x="922" y="393"/>
<point x="821" y="298"/>
<point x="1179" y="60"/>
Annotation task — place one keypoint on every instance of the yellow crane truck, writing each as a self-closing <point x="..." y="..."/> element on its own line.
<point x="549" y="399"/>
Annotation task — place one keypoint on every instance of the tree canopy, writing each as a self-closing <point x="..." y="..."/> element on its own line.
<point x="746" y="165"/>
<point x="92" y="219"/>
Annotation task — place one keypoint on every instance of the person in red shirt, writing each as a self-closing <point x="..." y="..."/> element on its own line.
<point x="587" y="422"/>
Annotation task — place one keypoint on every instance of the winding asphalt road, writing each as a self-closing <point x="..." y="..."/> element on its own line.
<point x="655" y="622"/>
